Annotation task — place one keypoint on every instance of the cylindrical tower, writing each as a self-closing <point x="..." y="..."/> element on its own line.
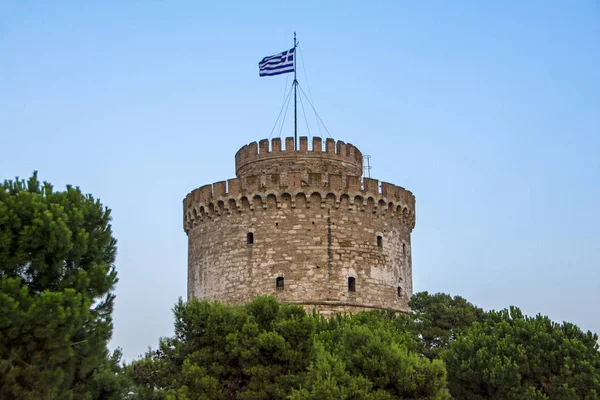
<point x="303" y="226"/>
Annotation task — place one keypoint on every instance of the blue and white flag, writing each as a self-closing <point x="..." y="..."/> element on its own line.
<point x="281" y="63"/>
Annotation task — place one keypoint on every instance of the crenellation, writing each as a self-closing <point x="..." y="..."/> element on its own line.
<point x="307" y="182"/>
<point x="303" y="144"/>
<point x="205" y="193"/>
<point x="289" y="144"/>
<point x="365" y="200"/>
<point x="263" y="146"/>
<point x="239" y="156"/>
<point x="388" y="190"/>
<point x="371" y="185"/>
<point x="317" y="144"/>
<point x="341" y="148"/>
<point x="276" y="145"/>
<point x="251" y="151"/>
<point x="234" y="187"/>
<point x="351" y="152"/>
<point x="219" y="189"/>
<point x="267" y="156"/>
<point x="329" y="146"/>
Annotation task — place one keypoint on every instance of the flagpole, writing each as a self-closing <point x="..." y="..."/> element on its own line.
<point x="295" y="99"/>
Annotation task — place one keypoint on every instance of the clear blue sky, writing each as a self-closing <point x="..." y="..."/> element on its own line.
<point x="488" y="112"/>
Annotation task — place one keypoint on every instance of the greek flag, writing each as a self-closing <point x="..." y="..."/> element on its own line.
<point x="281" y="63"/>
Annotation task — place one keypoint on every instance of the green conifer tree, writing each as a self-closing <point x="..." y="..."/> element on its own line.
<point x="512" y="356"/>
<point x="56" y="276"/>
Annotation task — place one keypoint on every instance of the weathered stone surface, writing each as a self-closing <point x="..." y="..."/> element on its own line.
<point x="313" y="222"/>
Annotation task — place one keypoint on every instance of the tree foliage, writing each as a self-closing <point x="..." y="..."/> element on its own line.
<point x="366" y="356"/>
<point x="56" y="275"/>
<point x="268" y="350"/>
<point x="256" y="351"/>
<point x="439" y="319"/>
<point x="504" y="354"/>
<point x="511" y="356"/>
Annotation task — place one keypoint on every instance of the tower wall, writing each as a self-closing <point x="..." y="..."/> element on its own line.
<point x="313" y="229"/>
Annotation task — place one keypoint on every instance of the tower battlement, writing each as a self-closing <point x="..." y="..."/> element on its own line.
<point x="270" y="156"/>
<point x="273" y="189"/>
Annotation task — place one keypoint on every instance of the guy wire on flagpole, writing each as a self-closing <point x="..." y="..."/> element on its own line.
<point x="295" y="97"/>
<point x="286" y="100"/>
<point x="316" y="114"/>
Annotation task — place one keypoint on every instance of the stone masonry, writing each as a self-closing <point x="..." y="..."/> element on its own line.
<point x="304" y="226"/>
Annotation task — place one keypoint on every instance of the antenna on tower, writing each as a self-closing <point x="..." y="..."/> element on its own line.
<point x="367" y="166"/>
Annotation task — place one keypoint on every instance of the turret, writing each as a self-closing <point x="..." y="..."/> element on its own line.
<point x="270" y="157"/>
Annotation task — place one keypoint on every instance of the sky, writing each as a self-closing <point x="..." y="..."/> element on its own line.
<point x="489" y="112"/>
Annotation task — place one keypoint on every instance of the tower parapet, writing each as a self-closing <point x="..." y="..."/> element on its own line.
<point x="269" y="157"/>
<point x="366" y="194"/>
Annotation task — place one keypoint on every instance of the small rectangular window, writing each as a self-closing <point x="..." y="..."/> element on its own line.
<point x="379" y="241"/>
<point x="399" y="291"/>
<point x="250" y="238"/>
<point x="352" y="284"/>
<point x="279" y="283"/>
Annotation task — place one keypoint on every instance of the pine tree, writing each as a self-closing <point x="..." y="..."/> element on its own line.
<point x="512" y="356"/>
<point x="56" y="276"/>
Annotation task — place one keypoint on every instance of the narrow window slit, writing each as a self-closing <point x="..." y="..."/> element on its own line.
<point x="279" y="283"/>
<point x="352" y="284"/>
<point x="379" y="241"/>
<point x="250" y="238"/>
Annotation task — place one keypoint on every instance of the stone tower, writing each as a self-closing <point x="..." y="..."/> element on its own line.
<point x="304" y="226"/>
